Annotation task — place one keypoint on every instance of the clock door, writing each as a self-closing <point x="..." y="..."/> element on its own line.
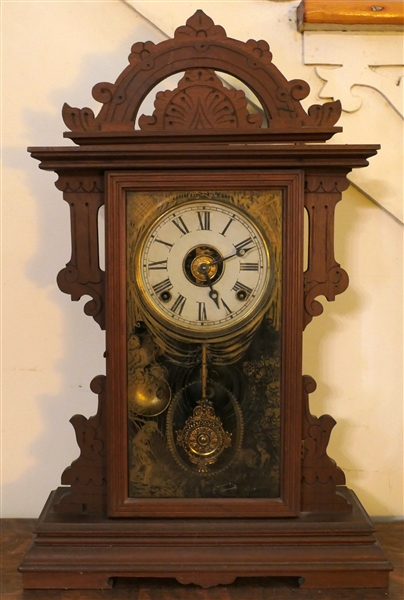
<point x="204" y="369"/>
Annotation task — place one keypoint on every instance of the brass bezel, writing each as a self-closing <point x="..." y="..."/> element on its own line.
<point x="219" y="333"/>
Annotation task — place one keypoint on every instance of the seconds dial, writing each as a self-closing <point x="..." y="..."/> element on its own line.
<point x="204" y="268"/>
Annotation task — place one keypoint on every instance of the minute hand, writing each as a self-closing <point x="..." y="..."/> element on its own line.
<point x="238" y="252"/>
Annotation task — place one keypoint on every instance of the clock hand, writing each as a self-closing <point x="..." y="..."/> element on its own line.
<point x="213" y="293"/>
<point x="239" y="252"/>
<point x="204" y="270"/>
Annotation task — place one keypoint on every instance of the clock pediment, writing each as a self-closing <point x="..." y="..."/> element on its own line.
<point x="200" y="44"/>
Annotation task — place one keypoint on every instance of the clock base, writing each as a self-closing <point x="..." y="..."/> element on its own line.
<point x="321" y="550"/>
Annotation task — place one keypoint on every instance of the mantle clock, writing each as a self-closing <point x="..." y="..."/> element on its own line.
<point x="203" y="462"/>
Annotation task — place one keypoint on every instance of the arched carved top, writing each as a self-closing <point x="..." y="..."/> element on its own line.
<point x="201" y="44"/>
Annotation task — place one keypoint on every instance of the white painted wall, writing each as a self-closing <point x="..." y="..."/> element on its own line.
<point x="54" y="52"/>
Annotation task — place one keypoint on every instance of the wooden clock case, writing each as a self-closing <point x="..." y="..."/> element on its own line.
<point x="90" y="532"/>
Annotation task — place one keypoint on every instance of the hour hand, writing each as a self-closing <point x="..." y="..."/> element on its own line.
<point x="215" y="296"/>
<point x="213" y="293"/>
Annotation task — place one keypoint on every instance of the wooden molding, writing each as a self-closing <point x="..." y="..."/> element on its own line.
<point x="89" y="551"/>
<point x="345" y="14"/>
<point x="119" y="503"/>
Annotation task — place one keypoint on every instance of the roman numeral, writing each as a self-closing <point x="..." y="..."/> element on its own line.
<point x="202" y="316"/>
<point x="249" y="266"/>
<point x="179" y="222"/>
<point x="242" y="245"/>
<point x="241" y="287"/>
<point x="204" y="220"/>
<point x="157" y="265"/>
<point x="178" y="305"/>
<point x="227" y="226"/>
<point x="226" y="308"/>
<point x="165" y="243"/>
<point x="162" y="286"/>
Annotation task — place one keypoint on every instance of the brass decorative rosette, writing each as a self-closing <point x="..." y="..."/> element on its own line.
<point x="204" y="437"/>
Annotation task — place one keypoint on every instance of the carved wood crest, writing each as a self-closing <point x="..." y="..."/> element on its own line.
<point x="200" y="46"/>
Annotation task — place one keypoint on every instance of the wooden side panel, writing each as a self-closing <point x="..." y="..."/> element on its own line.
<point x="82" y="275"/>
<point x="320" y="474"/>
<point x="324" y="276"/>
<point x="87" y="475"/>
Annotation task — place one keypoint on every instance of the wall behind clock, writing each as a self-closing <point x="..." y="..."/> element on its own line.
<point x="54" y="53"/>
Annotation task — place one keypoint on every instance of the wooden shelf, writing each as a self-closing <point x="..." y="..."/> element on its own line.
<point x="351" y="15"/>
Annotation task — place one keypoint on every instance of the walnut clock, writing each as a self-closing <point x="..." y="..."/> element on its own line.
<point x="203" y="462"/>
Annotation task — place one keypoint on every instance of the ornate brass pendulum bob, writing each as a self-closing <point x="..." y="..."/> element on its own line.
<point x="203" y="437"/>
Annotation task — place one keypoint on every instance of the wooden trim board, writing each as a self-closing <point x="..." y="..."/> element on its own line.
<point x="345" y="14"/>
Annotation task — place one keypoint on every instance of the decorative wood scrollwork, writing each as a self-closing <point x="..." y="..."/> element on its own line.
<point x="324" y="276"/>
<point x="320" y="474"/>
<point x="200" y="101"/>
<point x="87" y="474"/>
<point x="82" y="274"/>
<point x="203" y="45"/>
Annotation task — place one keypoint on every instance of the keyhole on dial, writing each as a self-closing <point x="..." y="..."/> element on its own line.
<point x="241" y="295"/>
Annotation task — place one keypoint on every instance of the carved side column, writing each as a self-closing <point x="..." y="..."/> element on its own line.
<point x="320" y="474"/>
<point x="324" y="276"/>
<point x="87" y="474"/>
<point x="82" y="275"/>
<point x="84" y="192"/>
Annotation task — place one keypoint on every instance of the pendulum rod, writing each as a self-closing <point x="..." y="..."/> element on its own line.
<point x="204" y="370"/>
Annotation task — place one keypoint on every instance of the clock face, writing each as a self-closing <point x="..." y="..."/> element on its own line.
<point x="204" y="267"/>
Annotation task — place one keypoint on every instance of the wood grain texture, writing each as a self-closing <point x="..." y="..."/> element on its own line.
<point x="169" y="152"/>
<point x="312" y="13"/>
<point x="82" y="274"/>
<point x="324" y="276"/>
<point x="320" y="474"/>
<point x="200" y="101"/>
<point x="86" y="490"/>
<point x="317" y="548"/>
<point x="16" y="536"/>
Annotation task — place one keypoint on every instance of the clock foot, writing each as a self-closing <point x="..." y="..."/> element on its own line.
<point x="59" y="580"/>
<point x="345" y="579"/>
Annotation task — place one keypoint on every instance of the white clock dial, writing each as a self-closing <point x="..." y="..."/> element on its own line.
<point x="204" y="267"/>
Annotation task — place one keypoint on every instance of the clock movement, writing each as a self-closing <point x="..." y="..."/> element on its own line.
<point x="203" y="462"/>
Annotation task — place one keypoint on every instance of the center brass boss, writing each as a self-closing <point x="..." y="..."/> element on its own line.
<point x="203" y="264"/>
